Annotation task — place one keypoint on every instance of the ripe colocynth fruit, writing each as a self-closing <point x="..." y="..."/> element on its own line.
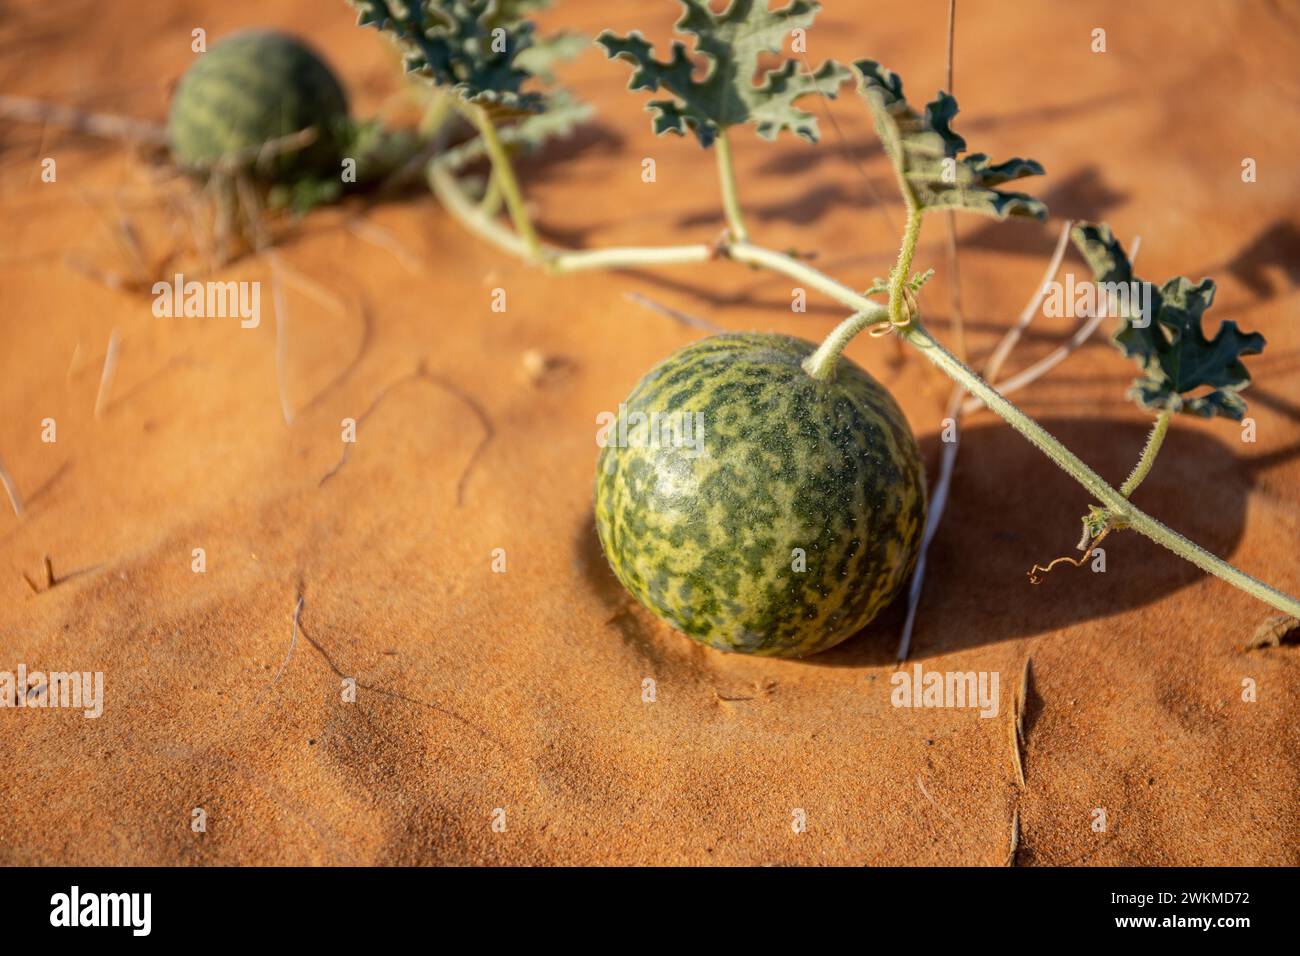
<point x="250" y="89"/>
<point x="787" y="523"/>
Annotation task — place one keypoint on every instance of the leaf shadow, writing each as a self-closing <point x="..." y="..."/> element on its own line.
<point x="1275" y="250"/>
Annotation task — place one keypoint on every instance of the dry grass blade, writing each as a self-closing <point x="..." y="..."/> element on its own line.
<point x="1044" y="365"/>
<point x="934" y="514"/>
<point x="1017" y="726"/>
<point x="1022" y="696"/>
<point x="11" y="489"/>
<point x="1015" y="838"/>
<point x="682" y="318"/>
<point x="106" y="376"/>
<point x="1272" y="632"/>
<point x="96" y="124"/>
<point x="993" y="367"/>
<point x="381" y="237"/>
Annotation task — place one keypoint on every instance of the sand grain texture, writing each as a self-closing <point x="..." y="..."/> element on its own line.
<point x="523" y="690"/>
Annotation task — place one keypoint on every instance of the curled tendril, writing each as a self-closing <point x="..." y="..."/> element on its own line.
<point x="1038" y="570"/>
<point x="910" y="308"/>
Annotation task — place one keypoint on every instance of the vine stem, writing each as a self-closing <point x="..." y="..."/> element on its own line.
<point x="866" y="313"/>
<point x="730" y="195"/>
<point x="906" y="250"/>
<point x="504" y="175"/>
<point x="474" y="218"/>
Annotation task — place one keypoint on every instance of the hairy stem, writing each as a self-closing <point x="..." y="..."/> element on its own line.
<point x="1068" y="462"/>
<point x="822" y="362"/>
<point x="1143" y="467"/>
<point x="898" y="278"/>
<point x="476" y="219"/>
<point x="730" y="196"/>
<point x="867" y="313"/>
<point x="453" y="199"/>
<point x="504" y="175"/>
<point x="1038" y="436"/>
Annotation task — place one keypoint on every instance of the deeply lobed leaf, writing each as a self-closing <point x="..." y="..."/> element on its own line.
<point x="732" y="43"/>
<point x="1182" y="369"/>
<point x="924" y="150"/>
<point x="469" y="46"/>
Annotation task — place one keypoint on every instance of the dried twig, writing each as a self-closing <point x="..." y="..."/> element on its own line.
<point x="381" y="237"/>
<point x="682" y="318"/>
<point x="993" y="367"/>
<point x="281" y="336"/>
<point x="1272" y="632"/>
<point x="948" y="462"/>
<point x="96" y="124"/>
<point x="1018" y="724"/>
<point x="11" y="489"/>
<point x="106" y="376"/>
<point x="1015" y="838"/>
<point x="1055" y="357"/>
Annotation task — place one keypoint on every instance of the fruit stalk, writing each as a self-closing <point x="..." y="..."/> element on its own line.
<point x="867" y="313"/>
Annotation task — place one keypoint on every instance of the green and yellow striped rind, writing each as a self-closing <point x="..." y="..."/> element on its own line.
<point x="252" y="88"/>
<point x="707" y="540"/>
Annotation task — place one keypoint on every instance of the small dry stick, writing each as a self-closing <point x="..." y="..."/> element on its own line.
<point x="680" y="317"/>
<point x="947" y="464"/>
<point x="281" y="337"/>
<point x="1272" y="631"/>
<point x="97" y="124"/>
<point x="1022" y="696"/>
<point x="1015" y="837"/>
<point x="1054" y="358"/>
<point x="310" y="287"/>
<point x="993" y="367"/>
<point x="381" y="237"/>
<point x="11" y="489"/>
<point x="1018" y="724"/>
<point x="106" y="376"/>
<point x="293" y="643"/>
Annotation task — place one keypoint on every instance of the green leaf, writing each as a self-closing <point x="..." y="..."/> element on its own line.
<point x="732" y="42"/>
<point x="540" y="58"/>
<point x="1182" y="369"/>
<point x="464" y="45"/>
<point x="1102" y="251"/>
<point x="924" y="151"/>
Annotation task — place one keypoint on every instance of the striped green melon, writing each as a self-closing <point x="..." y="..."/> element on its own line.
<point x="252" y="88"/>
<point x="705" y="535"/>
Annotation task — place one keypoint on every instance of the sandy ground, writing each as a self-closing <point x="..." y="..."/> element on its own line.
<point x="523" y="691"/>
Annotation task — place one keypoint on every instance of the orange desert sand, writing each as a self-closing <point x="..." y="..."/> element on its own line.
<point x="524" y="690"/>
